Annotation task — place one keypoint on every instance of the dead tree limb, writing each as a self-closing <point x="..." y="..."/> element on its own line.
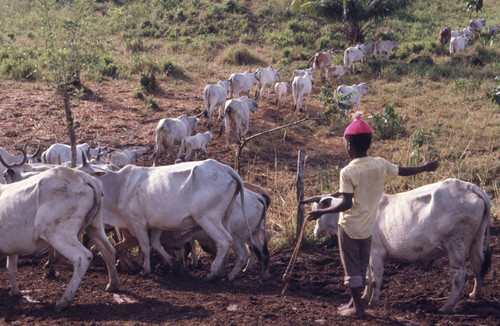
<point x="246" y="140"/>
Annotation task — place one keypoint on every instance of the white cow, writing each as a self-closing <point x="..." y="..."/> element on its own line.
<point x="267" y="78"/>
<point x="181" y="197"/>
<point x="386" y="47"/>
<point x="302" y="72"/>
<point x="493" y="29"/>
<point x="9" y="158"/>
<point x="352" y="94"/>
<point x="417" y="225"/>
<point x="194" y="144"/>
<point x="457" y="44"/>
<point x="353" y="54"/>
<point x="170" y="132"/>
<point x="337" y="71"/>
<point x="242" y="83"/>
<point x="237" y="111"/>
<point x="215" y="95"/>
<point x="466" y="32"/>
<point x="61" y="153"/>
<point x="476" y="25"/>
<point x="281" y="89"/>
<point x="302" y="86"/>
<point x="120" y="159"/>
<point x="255" y="210"/>
<point x="52" y="209"/>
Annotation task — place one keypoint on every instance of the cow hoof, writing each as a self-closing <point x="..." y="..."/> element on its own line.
<point x="112" y="287"/>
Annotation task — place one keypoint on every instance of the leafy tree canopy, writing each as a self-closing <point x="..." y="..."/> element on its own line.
<point x="357" y="16"/>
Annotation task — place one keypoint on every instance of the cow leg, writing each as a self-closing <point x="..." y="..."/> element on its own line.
<point x="223" y="241"/>
<point x="12" y="273"/>
<point x="96" y="232"/>
<point x="377" y="273"/>
<point x="456" y="250"/>
<point x="476" y="260"/>
<point x="242" y="255"/>
<point x="79" y="256"/>
<point x="307" y="100"/>
<point x="156" y="244"/>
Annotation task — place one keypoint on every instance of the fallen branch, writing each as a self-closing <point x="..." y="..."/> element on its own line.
<point x="288" y="272"/>
<point x="246" y="140"/>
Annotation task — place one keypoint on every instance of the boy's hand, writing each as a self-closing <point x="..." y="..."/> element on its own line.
<point x="313" y="215"/>
<point x="431" y="165"/>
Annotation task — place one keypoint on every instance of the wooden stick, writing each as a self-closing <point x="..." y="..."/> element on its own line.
<point x="288" y="273"/>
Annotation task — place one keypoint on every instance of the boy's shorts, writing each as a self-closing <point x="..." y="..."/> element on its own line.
<point x="355" y="256"/>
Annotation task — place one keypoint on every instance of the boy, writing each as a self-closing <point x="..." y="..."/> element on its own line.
<point x="361" y="187"/>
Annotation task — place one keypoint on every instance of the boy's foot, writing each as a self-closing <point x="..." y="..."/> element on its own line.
<point x="352" y="312"/>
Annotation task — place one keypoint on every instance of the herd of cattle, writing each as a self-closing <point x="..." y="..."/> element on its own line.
<point x="459" y="38"/>
<point x="45" y="205"/>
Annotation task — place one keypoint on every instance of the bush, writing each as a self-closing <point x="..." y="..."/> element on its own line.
<point x="107" y="67"/>
<point x="172" y="70"/>
<point x="387" y="124"/>
<point x="335" y="113"/>
<point x="239" y="55"/>
<point x="494" y="95"/>
<point x="148" y="82"/>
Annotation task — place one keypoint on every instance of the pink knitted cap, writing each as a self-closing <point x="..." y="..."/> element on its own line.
<point x="358" y="126"/>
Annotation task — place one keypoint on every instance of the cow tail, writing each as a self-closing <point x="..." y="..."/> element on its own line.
<point x="96" y="208"/>
<point x="207" y="100"/>
<point x="486" y="219"/>
<point x="241" y="189"/>
<point x="264" y="258"/>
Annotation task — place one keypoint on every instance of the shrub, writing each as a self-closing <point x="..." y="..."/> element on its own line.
<point x="387" y="124"/>
<point x="152" y="104"/>
<point x="239" y="55"/>
<point x="148" y="82"/>
<point x="233" y="6"/>
<point x="335" y="113"/>
<point x="422" y="141"/>
<point x="172" y="70"/>
<point x="494" y="95"/>
<point x="107" y="67"/>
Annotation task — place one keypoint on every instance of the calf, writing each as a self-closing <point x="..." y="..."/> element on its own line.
<point x="194" y="144"/>
<point x="120" y="159"/>
<point x="493" y="29"/>
<point x="170" y="132"/>
<point x="417" y="225"/>
<point x="457" y="44"/>
<point x="337" y="71"/>
<point x="352" y="94"/>
<point x="302" y="86"/>
<point x="215" y="95"/>
<point x="386" y="47"/>
<point x="237" y="111"/>
<point x="281" y="89"/>
<point x="52" y="209"/>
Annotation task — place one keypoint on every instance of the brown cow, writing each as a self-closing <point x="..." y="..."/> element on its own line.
<point x="321" y="61"/>
<point x="445" y="35"/>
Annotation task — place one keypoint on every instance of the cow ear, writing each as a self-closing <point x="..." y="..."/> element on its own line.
<point x="96" y="173"/>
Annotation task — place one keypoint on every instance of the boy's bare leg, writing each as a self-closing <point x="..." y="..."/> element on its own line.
<point x="357" y="310"/>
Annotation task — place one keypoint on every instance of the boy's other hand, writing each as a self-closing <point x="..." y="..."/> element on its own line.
<point x="313" y="215"/>
<point x="431" y="165"/>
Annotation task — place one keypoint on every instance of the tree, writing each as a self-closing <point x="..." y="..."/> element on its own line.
<point x="357" y="16"/>
<point x="70" y="48"/>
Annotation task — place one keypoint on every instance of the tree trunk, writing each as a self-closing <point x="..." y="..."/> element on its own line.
<point x="71" y="128"/>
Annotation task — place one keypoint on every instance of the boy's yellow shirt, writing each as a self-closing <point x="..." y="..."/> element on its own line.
<point x="364" y="178"/>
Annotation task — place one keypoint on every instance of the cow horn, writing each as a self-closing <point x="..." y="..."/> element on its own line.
<point x="8" y="166"/>
<point x="37" y="151"/>
<point x="25" y="156"/>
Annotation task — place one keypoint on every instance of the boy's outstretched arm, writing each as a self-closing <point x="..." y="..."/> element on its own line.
<point x="430" y="165"/>
<point x="344" y="205"/>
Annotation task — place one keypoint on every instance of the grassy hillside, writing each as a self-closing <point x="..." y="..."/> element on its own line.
<point x="442" y="101"/>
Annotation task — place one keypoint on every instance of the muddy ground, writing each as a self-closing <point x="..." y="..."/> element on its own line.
<point x="411" y="294"/>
